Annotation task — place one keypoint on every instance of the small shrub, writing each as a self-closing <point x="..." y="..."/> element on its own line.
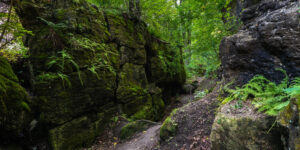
<point x="60" y="60"/>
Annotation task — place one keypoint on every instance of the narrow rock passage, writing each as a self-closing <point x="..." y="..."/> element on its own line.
<point x="194" y="118"/>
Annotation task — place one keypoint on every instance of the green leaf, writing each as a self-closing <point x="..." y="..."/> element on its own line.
<point x="25" y="105"/>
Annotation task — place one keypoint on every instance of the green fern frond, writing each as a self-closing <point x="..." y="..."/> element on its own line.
<point x="267" y="96"/>
<point x="60" y="60"/>
<point x="52" y="25"/>
<point x="25" y="106"/>
<point x="93" y="70"/>
<point x="64" y="79"/>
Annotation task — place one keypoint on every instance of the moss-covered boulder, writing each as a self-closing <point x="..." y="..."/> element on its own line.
<point x="289" y="120"/>
<point x="244" y="128"/>
<point x="169" y="126"/>
<point x="14" y="104"/>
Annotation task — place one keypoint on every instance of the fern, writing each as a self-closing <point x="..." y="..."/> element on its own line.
<point x="25" y="106"/>
<point x="54" y="76"/>
<point x="93" y="70"/>
<point x="267" y="96"/>
<point x="61" y="60"/>
<point x="294" y="90"/>
<point x="52" y="25"/>
<point x="64" y="79"/>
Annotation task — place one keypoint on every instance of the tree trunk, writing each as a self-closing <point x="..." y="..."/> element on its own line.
<point x="131" y="8"/>
<point x="7" y="21"/>
<point x="137" y="9"/>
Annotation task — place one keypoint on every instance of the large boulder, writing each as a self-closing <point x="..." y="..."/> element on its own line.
<point x="269" y="39"/>
<point x="86" y="61"/>
<point x="244" y="128"/>
<point x="15" y="105"/>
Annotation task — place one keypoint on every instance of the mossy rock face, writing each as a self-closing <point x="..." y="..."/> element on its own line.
<point x="60" y="104"/>
<point x="15" y="104"/>
<point x="78" y="133"/>
<point x="6" y="70"/>
<point x="289" y="120"/>
<point x="127" y="32"/>
<point x="244" y="128"/>
<point x="166" y="64"/>
<point x="138" y="98"/>
<point x="165" y="67"/>
<point x="98" y="61"/>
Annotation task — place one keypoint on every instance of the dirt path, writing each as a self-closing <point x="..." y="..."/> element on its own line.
<point x="146" y="140"/>
<point x="194" y="122"/>
<point x="194" y="119"/>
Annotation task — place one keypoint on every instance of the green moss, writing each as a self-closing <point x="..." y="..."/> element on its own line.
<point x="145" y="112"/>
<point x="167" y="65"/>
<point x="297" y="146"/>
<point x="14" y="101"/>
<point x="76" y="134"/>
<point x="168" y="129"/>
<point x="133" y="127"/>
<point x="6" y="70"/>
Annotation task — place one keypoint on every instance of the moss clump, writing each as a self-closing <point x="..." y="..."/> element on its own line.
<point x="14" y="103"/>
<point x="133" y="127"/>
<point x="6" y="70"/>
<point x="168" y="129"/>
<point x="288" y="118"/>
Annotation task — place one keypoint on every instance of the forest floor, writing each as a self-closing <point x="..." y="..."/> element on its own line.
<point x="194" y="116"/>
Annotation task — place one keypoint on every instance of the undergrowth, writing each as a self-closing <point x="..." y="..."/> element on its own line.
<point x="267" y="96"/>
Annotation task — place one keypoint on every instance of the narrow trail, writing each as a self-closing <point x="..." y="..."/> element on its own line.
<point x="194" y="118"/>
<point x="146" y="140"/>
<point x="194" y="125"/>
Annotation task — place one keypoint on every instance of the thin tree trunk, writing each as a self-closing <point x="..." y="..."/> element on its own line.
<point x="7" y="21"/>
<point x="131" y="8"/>
<point x="137" y="9"/>
<point x="189" y="42"/>
<point x="125" y="4"/>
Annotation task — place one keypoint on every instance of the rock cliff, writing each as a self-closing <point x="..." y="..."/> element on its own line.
<point x="87" y="64"/>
